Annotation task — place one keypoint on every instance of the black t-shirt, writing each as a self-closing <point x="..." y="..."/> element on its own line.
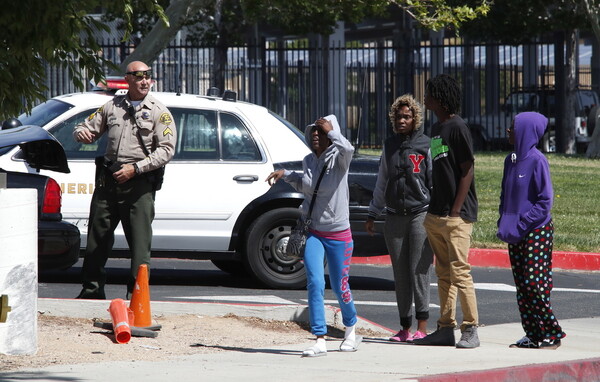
<point x="451" y="145"/>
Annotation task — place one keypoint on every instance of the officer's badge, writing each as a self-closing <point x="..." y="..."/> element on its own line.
<point x="146" y="115"/>
<point x="165" y="119"/>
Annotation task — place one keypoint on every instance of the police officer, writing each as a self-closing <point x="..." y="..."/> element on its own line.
<point x="127" y="176"/>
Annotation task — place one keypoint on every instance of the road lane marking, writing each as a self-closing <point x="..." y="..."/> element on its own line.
<point x="253" y="299"/>
<point x="511" y="288"/>
<point x="373" y="303"/>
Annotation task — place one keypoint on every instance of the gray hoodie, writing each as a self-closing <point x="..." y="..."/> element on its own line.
<point x="330" y="212"/>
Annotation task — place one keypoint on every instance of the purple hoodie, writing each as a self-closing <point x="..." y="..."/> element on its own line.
<point x="526" y="197"/>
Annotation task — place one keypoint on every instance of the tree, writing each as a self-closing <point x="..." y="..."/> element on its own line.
<point x="519" y="21"/>
<point x="61" y="33"/>
<point x="226" y="22"/>
<point x="591" y="9"/>
<point x="592" y="12"/>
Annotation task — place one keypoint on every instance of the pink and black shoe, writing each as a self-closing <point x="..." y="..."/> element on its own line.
<point x="416" y="336"/>
<point x="401" y="336"/>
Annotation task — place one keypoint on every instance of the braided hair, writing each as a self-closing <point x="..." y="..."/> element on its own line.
<point x="446" y="91"/>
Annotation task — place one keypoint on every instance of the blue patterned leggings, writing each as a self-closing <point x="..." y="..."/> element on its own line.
<point x="531" y="261"/>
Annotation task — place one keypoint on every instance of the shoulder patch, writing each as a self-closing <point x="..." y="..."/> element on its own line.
<point x="94" y="113"/>
<point x="165" y="119"/>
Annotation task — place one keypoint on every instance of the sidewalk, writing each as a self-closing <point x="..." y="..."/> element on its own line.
<point x="578" y="359"/>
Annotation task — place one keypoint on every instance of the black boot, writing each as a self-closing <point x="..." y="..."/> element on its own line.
<point x="92" y="294"/>
<point x="443" y="336"/>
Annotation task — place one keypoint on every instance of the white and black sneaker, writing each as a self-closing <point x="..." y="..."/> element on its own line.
<point x="525" y="343"/>
<point x="550" y="344"/>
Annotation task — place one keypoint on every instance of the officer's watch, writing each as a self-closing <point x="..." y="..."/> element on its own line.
<point x="136" y="168"/>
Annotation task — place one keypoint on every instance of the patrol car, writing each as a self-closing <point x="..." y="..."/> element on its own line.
<point x="214" y="203"/>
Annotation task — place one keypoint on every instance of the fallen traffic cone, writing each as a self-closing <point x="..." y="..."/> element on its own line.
<point x="121" y="318"/>
<point x="135" y="332"/>
<point x="140" y="299"/>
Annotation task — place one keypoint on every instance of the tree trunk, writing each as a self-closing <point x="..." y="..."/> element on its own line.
<point x="593" y="150"/>
<point x="569" y="139"/>
<point x="161" y="35"/>
<point x="220" y="50"/>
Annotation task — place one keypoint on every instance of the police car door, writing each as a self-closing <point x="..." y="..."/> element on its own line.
<point x="218" y="169"/>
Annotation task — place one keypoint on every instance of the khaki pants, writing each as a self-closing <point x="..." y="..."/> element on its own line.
<point x="450" y="239"/>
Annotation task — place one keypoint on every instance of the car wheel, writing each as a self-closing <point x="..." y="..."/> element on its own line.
<point x="549" y="142"/>
<point x="265" y="258"/>
<point x="232" y="267"/>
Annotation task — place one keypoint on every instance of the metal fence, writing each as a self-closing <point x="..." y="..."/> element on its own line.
<point x="301" y="81"/>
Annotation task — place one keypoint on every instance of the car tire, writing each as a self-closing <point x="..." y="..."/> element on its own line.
<point x="592" y="119"/>
<point x="265" y="250"/>
<point x="232" y="267"/>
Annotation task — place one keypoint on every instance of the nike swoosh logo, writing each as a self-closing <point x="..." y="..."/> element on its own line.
<point x="521" y="176"/>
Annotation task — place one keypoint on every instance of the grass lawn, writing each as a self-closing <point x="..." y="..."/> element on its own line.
<point x="576" y="210"/>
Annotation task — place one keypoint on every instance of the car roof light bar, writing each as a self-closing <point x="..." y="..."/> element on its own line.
<point x="229" y="95"/>
<point x="212" y="92"/>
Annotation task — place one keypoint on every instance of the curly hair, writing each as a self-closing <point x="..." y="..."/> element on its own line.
<point x="415" y="107"/>
<point x="446" y="91"/>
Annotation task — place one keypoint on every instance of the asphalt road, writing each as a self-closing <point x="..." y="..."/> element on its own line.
<point x="575" y="295"/>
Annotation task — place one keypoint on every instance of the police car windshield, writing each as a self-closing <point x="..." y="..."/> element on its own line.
<point x="44" y="112"/>
<point x="289" y="125"/>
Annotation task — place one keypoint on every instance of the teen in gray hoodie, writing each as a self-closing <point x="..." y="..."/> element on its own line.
<point x="329" y="230"/>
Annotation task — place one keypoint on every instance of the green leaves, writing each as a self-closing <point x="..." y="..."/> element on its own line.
<point x="437" y="14"/>
<point x="61" y="33"/>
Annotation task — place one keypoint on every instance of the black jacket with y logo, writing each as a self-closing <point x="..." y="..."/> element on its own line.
<point x="404" y="179"/>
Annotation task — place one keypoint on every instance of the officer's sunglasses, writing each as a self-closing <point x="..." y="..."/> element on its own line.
<point x="147" y="74"/>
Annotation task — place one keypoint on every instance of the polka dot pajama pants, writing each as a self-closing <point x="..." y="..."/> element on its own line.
<point x="531" y="261"/>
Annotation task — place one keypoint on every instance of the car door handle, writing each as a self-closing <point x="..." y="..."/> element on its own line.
<point x="245" y="178"/>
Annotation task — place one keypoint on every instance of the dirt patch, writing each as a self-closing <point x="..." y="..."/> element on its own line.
<point x="63" y="340"/>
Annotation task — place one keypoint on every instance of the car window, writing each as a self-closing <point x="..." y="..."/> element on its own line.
<point x="45" y="112"/>
<point x="587" y="100"/>
<point x="236" y="141"/>
<point x="197" y="134"/>
<point x="40" y="116"/>
<point x="294" y="129"/>
<point x="519" y="102"/>
<point x="77" y="150"/>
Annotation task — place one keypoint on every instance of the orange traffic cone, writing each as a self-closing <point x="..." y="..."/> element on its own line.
<point x="140" y="299"/>
<point x="121" y="318"/>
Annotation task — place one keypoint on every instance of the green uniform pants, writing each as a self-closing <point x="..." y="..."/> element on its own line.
<point x="132" y="204"/>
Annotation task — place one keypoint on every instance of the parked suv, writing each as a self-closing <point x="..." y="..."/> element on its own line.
<point x="214" y="203"/>
<point x="490" y="130"/>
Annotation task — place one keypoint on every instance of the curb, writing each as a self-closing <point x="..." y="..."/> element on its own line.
<point x="484" y="257"/>
<point x="579" y="370"/>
